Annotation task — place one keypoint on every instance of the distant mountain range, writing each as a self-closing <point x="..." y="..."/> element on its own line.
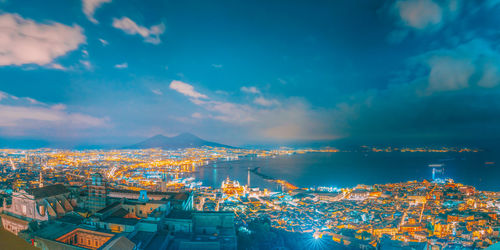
<point x="184" y="140"/>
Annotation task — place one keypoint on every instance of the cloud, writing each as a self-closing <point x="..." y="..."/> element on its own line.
<point x="265" y="102"/>
<point x="251" y="90"/>
<point x="186" y="89"/>
<point x="440" y="78"/>
<point x="23" y="41"/>
<point x="90" y="6"/>
<point x="103" y="42"/>
<point x="228" y="112"/>
<point x="86" y="64"/>
<point x="419" y="14"/>
<point x="455" y="96"/>
<point x="473" y="64"/>
<point x="400" y="112"/>
<point x="151" y="35"/>
<point x="294" y="120"/>
<point x="122" y="65"/>
<point x="57" y="66"/>
<point x="157" y="92"/>
<point x="217" y="65"/>
<point x="22" y="114"/>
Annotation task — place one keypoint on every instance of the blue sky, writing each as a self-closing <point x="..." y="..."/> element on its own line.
<point x="243" y="72"/>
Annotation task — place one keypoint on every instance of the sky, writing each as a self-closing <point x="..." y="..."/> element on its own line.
<point x="113" y="72"/>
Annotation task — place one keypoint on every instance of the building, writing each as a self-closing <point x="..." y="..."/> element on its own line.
<point x="97" y="193"/>
<point x="178" y="200"/>
<point x="201" y="230"/>
<point x="37" y="204"/>
<point x="67" y="236"/>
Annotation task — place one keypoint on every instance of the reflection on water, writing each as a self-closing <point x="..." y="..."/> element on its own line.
<point x="352" y="168"/>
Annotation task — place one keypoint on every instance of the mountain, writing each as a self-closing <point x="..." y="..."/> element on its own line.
<point x="184" y="140"/>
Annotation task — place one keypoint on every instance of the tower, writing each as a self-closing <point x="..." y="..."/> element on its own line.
<point x="97" y="192"/>
<point x="40" y="181"/>
<point x="163" y="183"/>
<point x="437" y="172"/>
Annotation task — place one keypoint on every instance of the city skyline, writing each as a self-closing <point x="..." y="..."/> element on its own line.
<point x="113" y="73"/>
<point x="167" y="124"/>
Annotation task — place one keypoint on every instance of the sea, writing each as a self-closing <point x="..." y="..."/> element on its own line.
<point x="348" y="169"/>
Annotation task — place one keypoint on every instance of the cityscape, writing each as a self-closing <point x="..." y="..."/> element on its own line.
<point x="249" y="125"/>
<point x="147" y="199"/>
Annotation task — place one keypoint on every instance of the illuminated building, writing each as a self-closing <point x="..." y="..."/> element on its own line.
<point x="232" y="187"/>
<point x="97" y="193"/>
<point x="437" y="172"/>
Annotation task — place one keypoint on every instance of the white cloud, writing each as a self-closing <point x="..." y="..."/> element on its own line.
<point x="103" y="42"/>
<point x="294" y="120"/>
<point x="86" y="64"/>
<point x="23" y="41"/>
<point x="217" y="65"/>
<point x="265" y="102"/>
<point x="448" y="73"/>
<point x="491" y="75"/>
<point x="251" y="90"/>
<point x="157" y="92"/>
<point x="151" y="35"/>
<point x="57" y="66"/>
<point x="25" y="113"/>
<point x="90" y="6"/>
<point x="122" y="65"/>
<point x="229" y="112"/>
<point x="473" y="64"/>
<point x="419" y="14"/>
<point x="186" y="89"/>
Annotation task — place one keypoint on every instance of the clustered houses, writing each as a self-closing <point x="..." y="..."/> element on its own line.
<point x="49" y="218"/>
<point x="106" y="199"/>
<point x="397" y="215"/>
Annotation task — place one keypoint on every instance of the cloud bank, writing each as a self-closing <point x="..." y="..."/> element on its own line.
<point x="269" y="119"/>
<point x="22" y="115"/>
<point x="23" y="41"/>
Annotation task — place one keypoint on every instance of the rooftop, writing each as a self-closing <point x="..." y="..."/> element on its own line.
<point x="47" y="191"/>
